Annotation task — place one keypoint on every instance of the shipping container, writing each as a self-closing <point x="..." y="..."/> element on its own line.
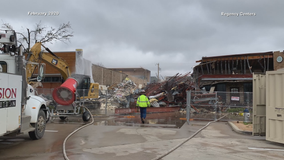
<point x="259" y="105"/>
<point x="275" y="106"/>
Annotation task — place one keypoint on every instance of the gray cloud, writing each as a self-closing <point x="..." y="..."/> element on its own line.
<point x="135" y="33"/>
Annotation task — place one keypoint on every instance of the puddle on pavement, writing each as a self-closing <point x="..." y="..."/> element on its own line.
<point x="213" y="116"/>
<point x="4" y="142"/>
<point x="173" y="119"/>
<point x="165" y="120"/>
<point x="14" y="140"/>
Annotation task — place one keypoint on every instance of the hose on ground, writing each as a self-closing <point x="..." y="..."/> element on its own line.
<point x="173" y="149"/>
<point x="65" y="140"/>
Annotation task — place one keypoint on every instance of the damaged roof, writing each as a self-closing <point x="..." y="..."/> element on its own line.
<point x="238" y="56"/>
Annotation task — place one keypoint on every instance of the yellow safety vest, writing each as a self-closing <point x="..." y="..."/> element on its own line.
<point x="143" y="101"/>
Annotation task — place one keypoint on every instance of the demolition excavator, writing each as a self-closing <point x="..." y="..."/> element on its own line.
<point x="83" y="89"/>
<point x="36" y="56"/>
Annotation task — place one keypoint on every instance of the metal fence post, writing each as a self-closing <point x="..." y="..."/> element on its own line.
<point x="215" y="106"/>
<point x="188" y="107"/>
<point x="106" y="103"/>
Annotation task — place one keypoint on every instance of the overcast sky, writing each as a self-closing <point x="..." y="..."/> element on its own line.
<point x="142" y="33"/>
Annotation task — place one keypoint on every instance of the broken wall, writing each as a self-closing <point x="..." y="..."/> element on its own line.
<point x="140" y="73"/>
<point x="104" y="76"/>
<point x="107" y="77"/>
<point x="138" y="80"/>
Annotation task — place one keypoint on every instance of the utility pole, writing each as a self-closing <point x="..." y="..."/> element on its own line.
<point x="158" y="73"/>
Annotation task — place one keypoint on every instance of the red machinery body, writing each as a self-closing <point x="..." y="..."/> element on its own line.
<point x="65" y="94"/>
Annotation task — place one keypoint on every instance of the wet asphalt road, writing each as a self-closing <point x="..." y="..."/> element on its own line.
<point x="50" y="146"/>
<point x="123" y="137"/>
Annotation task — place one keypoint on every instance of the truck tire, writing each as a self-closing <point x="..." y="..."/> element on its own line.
<point x="39" y="126"/>
<point x="86" y="116"/>
<point x="62" y="118"/>
<point x="48" y="116"/>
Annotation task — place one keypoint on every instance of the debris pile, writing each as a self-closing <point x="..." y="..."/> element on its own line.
<point x="109" y="104"/>
<point x="171" y="92"/>
<point x="123" y="91"/>
<point x="119" y="95"/>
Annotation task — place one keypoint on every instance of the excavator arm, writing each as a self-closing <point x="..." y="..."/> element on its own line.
<point x="37" y="56"/>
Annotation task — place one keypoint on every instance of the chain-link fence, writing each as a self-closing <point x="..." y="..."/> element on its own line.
<point x="201" y="105"/>
<point x="204" y="105"/>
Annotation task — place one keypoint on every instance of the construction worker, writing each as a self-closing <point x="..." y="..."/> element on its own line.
<point x="142" y="103"/>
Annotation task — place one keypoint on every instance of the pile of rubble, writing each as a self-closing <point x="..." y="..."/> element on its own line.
<point x="118" y="95"/>
<point x="171" y="92"/>
<point x="107" y="103"/>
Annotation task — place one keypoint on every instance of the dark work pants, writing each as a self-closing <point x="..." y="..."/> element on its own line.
<point x="143" y="112"/>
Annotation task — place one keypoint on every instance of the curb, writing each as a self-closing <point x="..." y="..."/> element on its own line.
<point x="236" y="129"/>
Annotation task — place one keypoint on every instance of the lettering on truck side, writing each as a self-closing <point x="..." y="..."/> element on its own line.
<point x="8" y="93"/>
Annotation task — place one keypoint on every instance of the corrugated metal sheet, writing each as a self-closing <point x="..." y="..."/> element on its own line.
<point x="259" y="105"/>
<point x="275" y="106"/>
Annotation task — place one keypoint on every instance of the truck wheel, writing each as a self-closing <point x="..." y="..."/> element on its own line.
<point x="39" y="126"/>
<point x="48" y="116"/>
<point x="62" y="118"/>
<point x="86" y="116"/>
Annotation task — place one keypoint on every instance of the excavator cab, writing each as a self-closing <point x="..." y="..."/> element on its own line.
<point x="84" y="86"/>
<point x="85" y="89"/>
<point x="38" y="75"/>
<point x="41" y="71"/>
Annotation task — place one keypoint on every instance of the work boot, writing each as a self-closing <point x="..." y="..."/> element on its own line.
<point x="142" y="119"/>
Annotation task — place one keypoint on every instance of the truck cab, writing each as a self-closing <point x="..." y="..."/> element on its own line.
<point x="20" y="109"/>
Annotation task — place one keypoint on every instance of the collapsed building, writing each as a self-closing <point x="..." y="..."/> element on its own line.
<point x="233" y="74"/>
<point x="171" y="92"/>
<point x="230" y="75"/>
<point x="227" y="73"/>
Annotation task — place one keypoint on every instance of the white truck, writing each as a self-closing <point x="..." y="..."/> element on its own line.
<point x="21" y="110"/>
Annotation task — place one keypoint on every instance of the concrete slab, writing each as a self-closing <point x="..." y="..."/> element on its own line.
<point x="150" y="141"/>
<point x="220" y="144"/>
<point x="217" y="141"/>
<point x="236" y="129"/>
